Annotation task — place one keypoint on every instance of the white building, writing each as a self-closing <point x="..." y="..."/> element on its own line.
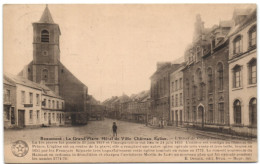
<point x="176" y="97"/>
<point x="28" y="110"/>
<point x="52" y="108"/>
<point x="243" y="73"/>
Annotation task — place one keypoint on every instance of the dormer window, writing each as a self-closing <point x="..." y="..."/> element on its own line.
<point x="45" y="36"/>
<point x="237" y="48"/>
<point x="252" y="37"/>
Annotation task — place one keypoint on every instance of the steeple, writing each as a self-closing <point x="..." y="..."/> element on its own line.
<point x="46" y="16"/>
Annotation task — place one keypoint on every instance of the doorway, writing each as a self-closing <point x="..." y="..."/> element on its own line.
<point x="201" y="115"/>
<point x="21" y="118"/>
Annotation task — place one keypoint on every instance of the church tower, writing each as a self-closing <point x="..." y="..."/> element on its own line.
<point x="46" y="52"/>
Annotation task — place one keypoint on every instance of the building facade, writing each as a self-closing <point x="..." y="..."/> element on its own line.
<point x="27" y="103"/>
<point x="160" y="93"/>
<point x="206" y="77"/>
<point x="46" y="68"/>
<point x="243" y="74"/>
<point x="176" y="97"/>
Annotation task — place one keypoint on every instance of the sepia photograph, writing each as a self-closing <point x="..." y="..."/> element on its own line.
<point x="129" y="83"/>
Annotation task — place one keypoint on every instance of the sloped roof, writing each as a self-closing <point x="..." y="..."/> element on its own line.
<point x="8" y="82"/>
<point x="46" y="16"/>
<point x="23" y="81"/>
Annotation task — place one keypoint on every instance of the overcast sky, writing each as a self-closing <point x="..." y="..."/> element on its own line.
<point x="113" y="49"/>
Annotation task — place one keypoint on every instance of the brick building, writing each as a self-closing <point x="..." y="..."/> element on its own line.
<point x="46" y="68"/>
<point x="160" y="93"/>
<point x="206" y="76"/>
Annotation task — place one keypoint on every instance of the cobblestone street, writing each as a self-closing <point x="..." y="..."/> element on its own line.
<point x="98" y="129"/>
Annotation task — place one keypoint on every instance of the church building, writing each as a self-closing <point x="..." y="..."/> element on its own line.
<point x="46" y="68"/>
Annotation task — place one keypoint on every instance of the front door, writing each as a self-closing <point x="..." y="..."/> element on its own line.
<point x="60" y="118"/>
<point x="21" y="118"/>
<point x="201" y="115"/>
<point x="176" y="116"/>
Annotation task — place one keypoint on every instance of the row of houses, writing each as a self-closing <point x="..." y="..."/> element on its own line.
<point x="30" y="104"/>
<point x="134" y="108"/>
<point x="215" y="87"/>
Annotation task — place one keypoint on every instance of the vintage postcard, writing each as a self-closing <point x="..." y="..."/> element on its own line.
<point x="130" y="83"/>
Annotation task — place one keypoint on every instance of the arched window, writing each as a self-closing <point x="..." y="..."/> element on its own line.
<point x="237" y="112"/>
<point x="253" y="112"/>
<point x="199" y="75"/>
<point x="220" y="76"/>
<point x="188" y="87"/>
<point x="45" y="75"/>
<point x="252" y="37"/>
<point x="210" y="80"/>
<point x="252" y="71"/>
<point x="45" y="36"/>
<point x="237" y="45"/>
<point x="237" y="76"/>
<point x="210" y="114"/>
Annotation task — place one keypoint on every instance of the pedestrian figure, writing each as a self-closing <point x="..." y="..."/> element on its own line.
<point x="114" y="128"/>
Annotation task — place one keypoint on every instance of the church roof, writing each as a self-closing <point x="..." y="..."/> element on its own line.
<point x="46" y="16"/>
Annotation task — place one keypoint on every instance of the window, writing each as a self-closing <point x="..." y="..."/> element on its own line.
<point x="23" y="97"/>
<point x="210" y="80"/>
<point x="221" y="112"/>
<point x="176" y="85"/>
<point x="188" y="113"/>
<point x="172" y="101"/>
<point x="199" y="74"/>
<point x="188" y="87"/>
<point x="253" y="112"/>
<point x="237" y="45"/>
<point x="31" y="98"/>
<point x="44" y="103"/>
<point x="7" y="98"/>
<point x="172" y="86"/>
<point x="62" y="105"/>
<point x="210" y="114"/>
<point x="53" y="104"/>
<point x="58" y="105"/>
<point x="45" y="75"/>
<point x="252" y="72"/>
<point x="53" y="116"/>
<point x="180" y="98"/>
<point x="220" y="76"/>
<point x="49" y="102"/>
<point x="237" y="112"/>
<point x="45" y="116"/>
<point x="180" y="83"/>
<point x="6" y="113"/>
<point x="45" y="36"/>
<point x="176" y="101"/>
<point x="194" y="113"/>
<point x="31" y="115"/>
<point x="237" y="77"/>
<point x="38" y="114"/>
<point x="37" y="99"/>
<point x="252" y="37"/>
